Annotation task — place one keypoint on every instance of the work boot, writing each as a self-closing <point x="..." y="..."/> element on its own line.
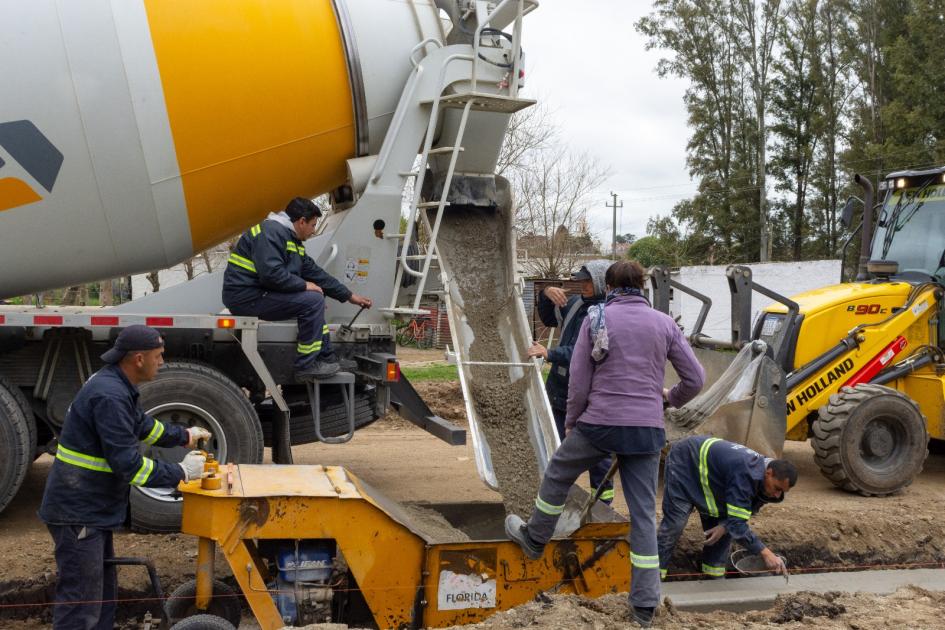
<point x="321" y="369"/>
<point x="346" y="365"/>
<point x="517" y="531"/>
<point x="643" y="615"/>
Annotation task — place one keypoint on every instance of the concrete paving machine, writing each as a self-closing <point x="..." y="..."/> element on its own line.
<point x="140" y="133"/>
<point x="855" y="367"/>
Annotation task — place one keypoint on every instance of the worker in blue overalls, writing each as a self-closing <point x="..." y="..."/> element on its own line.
<point x="567" y="314"/>
<point x="98" y="459"/>
<point x="269" y="276"/>
<point x="727" y="483"/>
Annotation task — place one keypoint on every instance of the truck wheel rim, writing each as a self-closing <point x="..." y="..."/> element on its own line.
<point x="188" y="415"/>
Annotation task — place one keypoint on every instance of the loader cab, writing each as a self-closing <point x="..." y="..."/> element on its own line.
<point x="909" y="240"/>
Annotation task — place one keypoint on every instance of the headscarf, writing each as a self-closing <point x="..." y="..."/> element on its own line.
<point x="598" y="322"/>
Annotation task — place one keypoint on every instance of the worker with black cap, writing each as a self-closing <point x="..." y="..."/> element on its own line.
<point x="269" y="276"/>
<point x="97" y="460"/>
<point x="567" y="314"/>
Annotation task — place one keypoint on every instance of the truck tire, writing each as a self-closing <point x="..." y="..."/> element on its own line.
<point x="27" y="409"/>
<point x="16" y="445"/>
<point x="203" y="622"/>
<point x="182" y="604"/>
<point x="189" y="394"/>
<point x="870" y="439"/>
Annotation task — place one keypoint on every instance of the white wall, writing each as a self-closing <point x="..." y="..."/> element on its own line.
<point x="785" y="278"/>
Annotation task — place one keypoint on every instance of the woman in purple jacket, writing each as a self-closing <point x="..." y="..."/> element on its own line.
<point x="615" y="405"/>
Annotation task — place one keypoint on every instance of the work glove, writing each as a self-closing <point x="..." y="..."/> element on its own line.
<point x="714" y="535"/>
<point x="193" y="465"/>
<point x="195" y="434"/>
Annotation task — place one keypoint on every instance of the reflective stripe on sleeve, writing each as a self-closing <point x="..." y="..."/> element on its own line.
<point x="141" y="477"/>
<point x="704" y="476"/>
<point x="644" y="562"/>
<point x="239" y="261"/>
<point x="255" y="230"/>
<point x="156" y="432"/>
<point x="325" y="330"/>
<point x="737" y="512"/>
<point x="290" y="246"/>
<point x="547" y="508"/>
<point x="663" y="573"/>
<point x="75" y="458"/>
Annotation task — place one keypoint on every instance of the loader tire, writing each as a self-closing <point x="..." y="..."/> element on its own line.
<point x="870" y="439"/>
<point x="17" y="444"/>
<point x="188" y="394"/>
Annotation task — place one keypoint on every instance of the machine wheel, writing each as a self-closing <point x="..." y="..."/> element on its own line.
<point x="192" y="394"/>
<point x="204" y="622"/>
<point x="27" y="409"/>
<point x="870" y="439"/>
<point x="17" y="444"/>
<point x="224" y="605"/>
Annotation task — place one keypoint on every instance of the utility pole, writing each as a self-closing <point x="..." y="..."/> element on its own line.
<point x="613" y="205"/>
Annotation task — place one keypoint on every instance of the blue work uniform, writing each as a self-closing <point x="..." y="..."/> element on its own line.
<point x="724" y="481"/>
<point x="265" y="277"/>
<point x="568" y="320"/>
<point x="97" y="461"/>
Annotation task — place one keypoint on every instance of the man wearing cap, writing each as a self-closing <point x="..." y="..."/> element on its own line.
<point x="97" y="460"/>
<point x="556" y="309"/>
<point x="269" y="276"/>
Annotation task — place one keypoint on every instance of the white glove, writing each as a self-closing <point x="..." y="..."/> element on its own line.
<point x="195" y="434"/>
<point x="193" y="465"/>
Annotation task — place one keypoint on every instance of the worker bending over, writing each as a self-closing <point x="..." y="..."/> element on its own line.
<point x="97" y="460"/>
<point x="556" y="309"/>
<point x="269" y="276"/>
<point x="726" y="483"/>
<point x="615" y="405"/>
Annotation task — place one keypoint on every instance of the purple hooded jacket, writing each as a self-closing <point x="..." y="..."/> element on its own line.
<point x="626" y="388"/>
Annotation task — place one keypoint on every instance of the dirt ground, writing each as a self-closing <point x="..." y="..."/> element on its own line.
<point x="817" y="528"/>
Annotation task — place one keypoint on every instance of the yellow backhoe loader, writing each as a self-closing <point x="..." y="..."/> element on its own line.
<point x="857" y="367"/>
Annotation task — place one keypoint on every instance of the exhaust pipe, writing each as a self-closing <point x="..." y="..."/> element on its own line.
<point x="866" y="237"/>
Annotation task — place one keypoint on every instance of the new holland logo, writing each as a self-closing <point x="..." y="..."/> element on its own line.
<point x="27" y="145"/>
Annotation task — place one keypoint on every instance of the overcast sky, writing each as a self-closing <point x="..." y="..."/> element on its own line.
<point x="586" y="60"/>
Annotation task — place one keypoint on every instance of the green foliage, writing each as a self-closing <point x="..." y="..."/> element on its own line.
<point x="649" y="251"/>
<point x="847" y="86"/>
<point x="434" y="372"/>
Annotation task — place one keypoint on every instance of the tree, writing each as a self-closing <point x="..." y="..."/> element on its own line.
<point x="553" y="188"/>
<point x="796" y="108"/>
<point x="530" y="129"/>
<point x="624" y="239"/>
<point x="649" y="252"/>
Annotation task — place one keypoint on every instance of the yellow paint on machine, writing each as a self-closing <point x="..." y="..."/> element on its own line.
<point x="15" y="193"/>
<point x="259" y="104"/>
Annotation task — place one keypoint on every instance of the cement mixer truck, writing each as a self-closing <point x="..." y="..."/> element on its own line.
<point x="136" y="134"/>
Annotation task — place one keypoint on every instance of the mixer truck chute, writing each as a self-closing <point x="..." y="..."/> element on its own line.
<point x="181" y="124"/>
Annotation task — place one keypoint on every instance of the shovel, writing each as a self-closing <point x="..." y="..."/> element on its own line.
<point x="586" y="510"/>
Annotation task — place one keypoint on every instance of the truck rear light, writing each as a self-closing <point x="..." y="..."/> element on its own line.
<point x="47" y="320"/>
<point x="159" y="322"/>
<point x="104" y="321"/>
<point x="226" y="322"/>
<point x="3" y="319"/>
<point x="393" y="371"/>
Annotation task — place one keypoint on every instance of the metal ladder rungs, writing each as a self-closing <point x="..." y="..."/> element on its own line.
<point x="409" y="173"/>
<point x="421" y="257"/>
<point x="432" y="204"/>
<point x="445" y="150"/>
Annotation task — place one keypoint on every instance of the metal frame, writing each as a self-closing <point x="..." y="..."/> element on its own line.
<point x="353" y="60"/>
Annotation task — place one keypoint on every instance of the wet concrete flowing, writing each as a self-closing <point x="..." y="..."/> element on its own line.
<point x="477" y="247"/>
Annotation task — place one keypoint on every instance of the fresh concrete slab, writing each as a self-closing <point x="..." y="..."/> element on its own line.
<point x="758" y="593"/>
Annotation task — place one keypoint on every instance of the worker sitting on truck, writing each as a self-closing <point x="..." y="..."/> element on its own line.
<point x="555" y="308"/>
<point x="615" y="405"/>
<point x="727" y="483"/>
<point x="269" y="276"/>
<point x="97" y="460"/>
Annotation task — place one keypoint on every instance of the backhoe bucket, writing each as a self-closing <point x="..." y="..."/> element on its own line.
<point x="743" y="401"/>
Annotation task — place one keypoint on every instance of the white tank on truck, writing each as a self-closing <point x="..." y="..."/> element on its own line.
<point x="136" y="134"/>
